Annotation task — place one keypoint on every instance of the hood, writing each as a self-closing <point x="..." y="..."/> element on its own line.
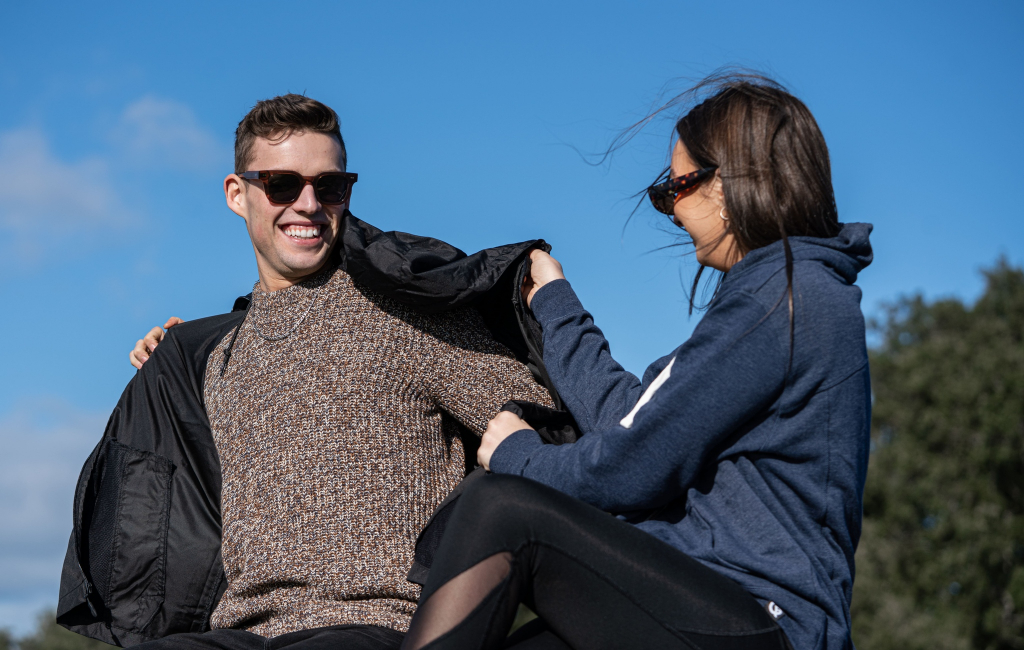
<point x="848" y="253"/>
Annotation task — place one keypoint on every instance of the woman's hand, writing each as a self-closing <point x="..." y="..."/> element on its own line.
<point x="543" y="269"/>
<point x="145" y="346"/>
<point x="502" y="426"/>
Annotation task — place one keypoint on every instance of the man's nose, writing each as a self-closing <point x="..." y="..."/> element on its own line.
<point x="307" y="202"/>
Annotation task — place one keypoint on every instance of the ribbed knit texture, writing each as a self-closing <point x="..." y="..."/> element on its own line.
<point x="336" y="444"/>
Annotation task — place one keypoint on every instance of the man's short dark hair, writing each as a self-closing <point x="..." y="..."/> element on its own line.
<point x="279" y="117"/>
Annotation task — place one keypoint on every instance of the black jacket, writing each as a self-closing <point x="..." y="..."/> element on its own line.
<point x="144" y="560"/>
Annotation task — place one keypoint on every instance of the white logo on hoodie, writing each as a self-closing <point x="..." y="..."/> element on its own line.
<point x="649" y="393"/>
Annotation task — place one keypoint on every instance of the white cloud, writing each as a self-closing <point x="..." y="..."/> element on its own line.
<point x="47" y="200"/>
<point x="162" y="133"/>
<point x="45" y="443"/>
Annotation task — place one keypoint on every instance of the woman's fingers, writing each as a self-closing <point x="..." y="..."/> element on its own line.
<point x="502" y="426"/>
<point x="543" y="269"/>
<point x="528" y="289"/>
<point x="172" y="321"/>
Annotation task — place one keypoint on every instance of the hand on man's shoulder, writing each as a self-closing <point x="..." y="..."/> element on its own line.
<point x="145" y="346"/>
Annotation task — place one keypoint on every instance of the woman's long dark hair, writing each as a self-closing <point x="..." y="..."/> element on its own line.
<point x="771" y="157"/>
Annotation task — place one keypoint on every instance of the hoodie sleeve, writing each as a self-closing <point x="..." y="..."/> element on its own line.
<point x="731" y="370"/>
<point x="595" y="388"/>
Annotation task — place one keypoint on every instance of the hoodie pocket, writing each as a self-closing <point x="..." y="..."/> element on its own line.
<point x="127" y="534"/>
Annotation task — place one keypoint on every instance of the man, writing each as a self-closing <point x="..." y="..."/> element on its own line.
<point x="334" y="411"/>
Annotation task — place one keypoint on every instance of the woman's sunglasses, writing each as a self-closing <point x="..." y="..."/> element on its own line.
<point x="284" y="187"/>
<point x="664" y="195"/>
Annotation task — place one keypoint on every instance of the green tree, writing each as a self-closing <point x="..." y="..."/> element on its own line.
<point x="941" y="560"/>
<point x="50" y="636"/>
<point x="6" y="642"/>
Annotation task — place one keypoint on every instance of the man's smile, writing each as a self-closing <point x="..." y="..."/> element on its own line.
<point x="302" y="233"/>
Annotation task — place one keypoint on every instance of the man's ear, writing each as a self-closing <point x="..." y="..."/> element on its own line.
<point x="235" y="195"/>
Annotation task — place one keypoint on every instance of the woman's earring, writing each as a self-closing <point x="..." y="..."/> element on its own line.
<point x="721" y="213"/>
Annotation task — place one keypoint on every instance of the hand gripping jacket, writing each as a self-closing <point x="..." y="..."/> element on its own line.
<point x="144" y="559"/>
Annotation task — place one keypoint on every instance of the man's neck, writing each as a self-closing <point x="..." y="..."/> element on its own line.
<point x="270" y="282"/>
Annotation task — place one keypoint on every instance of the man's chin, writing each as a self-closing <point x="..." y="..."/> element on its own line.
<point x="291" y="265"/>
<point x="301" y="267"/>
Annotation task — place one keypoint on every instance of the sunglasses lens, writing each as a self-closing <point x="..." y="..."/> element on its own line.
<point x="284" y="188"/>
<point x="331" y="189"/>
<point x="661" y="200"/>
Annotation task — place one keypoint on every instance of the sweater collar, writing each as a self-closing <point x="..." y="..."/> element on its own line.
<point x="274" y="313"/>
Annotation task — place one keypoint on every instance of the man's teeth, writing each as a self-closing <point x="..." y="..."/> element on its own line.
<point x="302" y="232"/>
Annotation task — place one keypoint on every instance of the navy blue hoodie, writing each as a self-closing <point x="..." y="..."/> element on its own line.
<point x="735" y="449"/>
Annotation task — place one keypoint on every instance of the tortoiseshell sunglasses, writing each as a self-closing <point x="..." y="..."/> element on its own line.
<point x="283" y="187"/>
<point x="664" y="195"/>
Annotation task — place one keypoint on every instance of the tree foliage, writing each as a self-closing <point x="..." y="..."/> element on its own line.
<point x="941" y="560"/>
<point x="50" y="636"/>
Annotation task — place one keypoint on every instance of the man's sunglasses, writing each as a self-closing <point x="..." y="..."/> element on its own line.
<point x="664" y="195"/>
<point x="284" y="187"/>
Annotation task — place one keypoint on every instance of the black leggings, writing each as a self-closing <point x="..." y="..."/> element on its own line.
<point x="595" y="581"/>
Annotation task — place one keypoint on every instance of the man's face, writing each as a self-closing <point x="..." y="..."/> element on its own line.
<point x="293" y="241"/>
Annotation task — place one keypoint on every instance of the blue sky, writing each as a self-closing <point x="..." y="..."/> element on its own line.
<point x="116" y="126"/>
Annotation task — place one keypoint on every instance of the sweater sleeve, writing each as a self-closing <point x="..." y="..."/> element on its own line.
<point x="595" y="388"/>
<point x="731" y="370"/>
<point x="468" y="374"/>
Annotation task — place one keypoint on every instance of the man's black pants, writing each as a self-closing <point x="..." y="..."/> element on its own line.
<point x="338" y="637"/>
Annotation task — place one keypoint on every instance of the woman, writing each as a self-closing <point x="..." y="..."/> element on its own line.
<point x="735" y="468"/>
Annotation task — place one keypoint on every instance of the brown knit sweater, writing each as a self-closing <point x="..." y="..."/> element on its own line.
<point x="337" y="442"/>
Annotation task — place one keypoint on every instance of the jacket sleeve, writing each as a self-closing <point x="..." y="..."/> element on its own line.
<point x="595" y="388"/>
<point x="731" y="370"/>
<point x="144" y="559"/>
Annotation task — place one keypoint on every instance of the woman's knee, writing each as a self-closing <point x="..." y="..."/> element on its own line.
<point x="500" y="500"/>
